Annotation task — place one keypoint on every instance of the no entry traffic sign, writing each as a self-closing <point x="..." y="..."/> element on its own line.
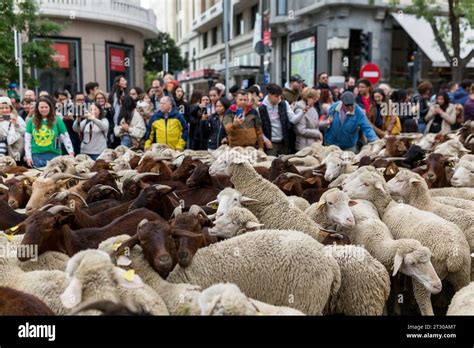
<point x="371" y="72"/>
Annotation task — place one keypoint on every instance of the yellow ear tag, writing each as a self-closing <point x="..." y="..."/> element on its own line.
<point x="215" y="205"/>
<point x="116" y="245"/>
<point x="10" y="237"/>
<point x="320" y="204"/>
<point x="129" y="275"/>
<point x="14" y="228"/>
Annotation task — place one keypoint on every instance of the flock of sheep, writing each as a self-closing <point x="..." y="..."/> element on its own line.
<point x="237" y="232"/>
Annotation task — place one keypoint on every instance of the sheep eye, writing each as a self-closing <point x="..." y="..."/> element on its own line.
<point x="329" y="203"/>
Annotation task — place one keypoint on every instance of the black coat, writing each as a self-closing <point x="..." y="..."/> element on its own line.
<point x="213" y="130"/>
<point x="289" y="137"/>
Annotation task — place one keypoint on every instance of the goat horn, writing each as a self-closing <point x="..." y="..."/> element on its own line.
<point x="60" y="176"/>
<point x="160" y="187"/>
<point x="105" y="187"/>
<point x="139" y="177"/>
<point x="293" y="175"/>
<point x="46" y="207"/>
<point x="4" y="187"/>
<point x="196" y="210"/>
<point x="395" y="158"/>
<point x="60" y="195"/>
<point x="58" y="208"/>
<point x="177" y="211"/>
<point x="80" y="197"/>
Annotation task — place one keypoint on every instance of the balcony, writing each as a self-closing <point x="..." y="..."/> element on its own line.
<point x="114" y="12"/>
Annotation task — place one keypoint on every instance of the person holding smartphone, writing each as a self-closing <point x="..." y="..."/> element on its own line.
<point x="199" y="115"/>
<point x="441" y="116"/>
<point x="94" y="127"/>
<point x="9" y="130"/>
<point x="243" y="124"/>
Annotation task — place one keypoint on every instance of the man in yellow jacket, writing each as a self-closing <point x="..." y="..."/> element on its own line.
<point x="167" y="127"/>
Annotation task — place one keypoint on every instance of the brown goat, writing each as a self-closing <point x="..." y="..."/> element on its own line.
<point x="184" y="171"/>
<point x="201" y="177"/>
<point x="435" y="175"/>
<point x="101" y="192"/>
<point x="394" y="147"/>
<point x="191" y="233"/>
<point x="101" y="164"/>
<point x="280" y="166"/>
<point x="9" y="217"/>
<point x="20" y="191"/>
<point x="49" y="230"/>
<point x="18" y="303"/>
<point x="4" y="192"/>
<point x="157" y="243"/>
<point x="155" y="198"/>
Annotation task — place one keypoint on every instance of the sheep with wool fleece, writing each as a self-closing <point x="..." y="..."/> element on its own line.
<point x="181" y="298"/>
<point x="455" y="202"/>
<point x="273" y="208"/>
<point x="299" y="202"/>
<point x="281" y="268"/>
<point x="414" y="191"/>
<point x="94" y="277"/>
<point x="351" y="260"/>
<point x="405" y="255"/>
<point x="462" y="302"/>
<point x="452" y="149"/>
<point x="456" y="192"/>
<point x="463" y="175"/>
<point x="450" y="251"/>
<point x="46" y="285"/>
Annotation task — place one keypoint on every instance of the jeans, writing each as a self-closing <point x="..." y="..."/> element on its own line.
<point x="421" y="127"/>
<point x="278" y="149"/>
<point x="40" y="159"/>
<point x="93" y="157"/>
<point x="126" y="141"/>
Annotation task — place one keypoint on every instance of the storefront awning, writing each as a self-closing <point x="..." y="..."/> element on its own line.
<point x="420" y="31"/>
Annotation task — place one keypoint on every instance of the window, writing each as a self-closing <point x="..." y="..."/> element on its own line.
<point x="204" y="41"/>
<point x="240" y="24"/>
<point x="254" y="16"/>
<point x="68" y="73"/>
<point x="214" y="36"/>
<point x="282" y="7"/>
<point x="119" y="61"/>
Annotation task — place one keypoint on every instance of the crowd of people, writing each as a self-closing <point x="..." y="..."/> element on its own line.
<point x="276" y="120"/>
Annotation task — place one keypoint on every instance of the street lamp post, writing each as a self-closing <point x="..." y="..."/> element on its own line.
<point x="19" y="57"/>
<point x="226" y="4"/>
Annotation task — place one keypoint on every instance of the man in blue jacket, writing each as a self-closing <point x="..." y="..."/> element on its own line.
<point x="346" y="118"/>
<point x="462" y="93"/>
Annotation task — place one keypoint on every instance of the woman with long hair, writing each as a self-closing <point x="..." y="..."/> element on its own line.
<point x="119" y="90"/>
<point x="100" y="98"/>
<point x="94" y="130"/>
<point x="381" y="115"/>
<point x="213" y="128"/>
<point x="441" y="116"/>
<point x="44" y="134"/>
<point x="182" y="105"/>
<point x="130" y="127"/>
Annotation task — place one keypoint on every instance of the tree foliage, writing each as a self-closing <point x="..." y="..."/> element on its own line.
<point x="22" y="15"/>
<point x="154" y="50"/>
<point x="448" y="31"/>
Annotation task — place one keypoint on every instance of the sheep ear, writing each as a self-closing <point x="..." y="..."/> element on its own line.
<point x="397" y="262"/>
<point x="415" y="181"/>
<point x="128" y="279"/>
<point x="253" y="226"/>
<point x="247" y="201"/>
<point x="352" y="203"/>
<point x="379" y="186"/>
<point x="213" y="204"/>
<point x="321" y="204"/>
<point x="72" y="296"/>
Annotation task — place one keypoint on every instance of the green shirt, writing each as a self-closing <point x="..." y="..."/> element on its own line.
<point x="46" y="140"/>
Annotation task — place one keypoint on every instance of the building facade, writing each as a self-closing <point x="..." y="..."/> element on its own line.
<point x="299" y="29"/>
<point x="100" y="40"/>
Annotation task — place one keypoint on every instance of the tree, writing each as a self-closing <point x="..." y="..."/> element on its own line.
<point x="448" y="31"/>
<point x="22" y="15"/>
<point x="154" y="50"/>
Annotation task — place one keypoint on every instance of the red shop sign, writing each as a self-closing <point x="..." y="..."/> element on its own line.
<point x="61" y="56"/>
<point x="117" y="59"/>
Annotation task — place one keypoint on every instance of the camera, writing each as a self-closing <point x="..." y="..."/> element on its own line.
<point x="6" y="117"/>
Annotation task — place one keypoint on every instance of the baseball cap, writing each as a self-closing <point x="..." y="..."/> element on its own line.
<point x="348" y="98"/>
<point x="12" y="85"/>
<point x="296" y="77"/>
<point x="6" y="100"/>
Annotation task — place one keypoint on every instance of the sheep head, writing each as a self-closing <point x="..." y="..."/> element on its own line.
<point x="230" y="198"/>
<point x="336" y="205"/>
<point x="235" y="222"/>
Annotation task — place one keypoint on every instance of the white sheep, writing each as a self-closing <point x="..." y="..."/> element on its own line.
<point x="455" y="202"/>
<point x="463" y="302"/>
<point x="457" y="192"/>
<point x="452" y="149"/>
<point x="282" y="268"/>
<point x="234" y="222"/>
<point x="182" y="298"/>
<point x="46" y="285"/>
<point x="463" y="173"/>
<point x="450" y="251"/>
<point x="229" y="198"/>
<point x="365" y="283"/>
<point x="414" y="191"/>
<point x="406" y="256"/>
<point x="94" y="277"/>
<point x="227" y="299"/>
<point x="299" y="202"/>
<point x="273" y="207"/>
